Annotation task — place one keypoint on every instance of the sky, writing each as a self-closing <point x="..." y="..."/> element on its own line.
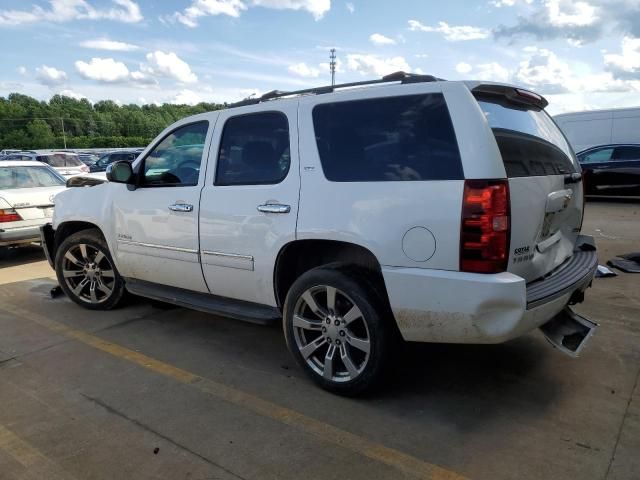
<point x="580" y="54"/>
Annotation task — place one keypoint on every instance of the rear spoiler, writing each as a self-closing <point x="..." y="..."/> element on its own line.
<point x="512" y="94"/>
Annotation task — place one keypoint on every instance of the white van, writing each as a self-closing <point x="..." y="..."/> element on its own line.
<point x="601" y="127"/>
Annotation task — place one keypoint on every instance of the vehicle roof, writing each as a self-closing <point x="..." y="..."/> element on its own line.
<point x="607" y="145"/>
<point x="22" y="163"/>
<point x="601" y="111"/>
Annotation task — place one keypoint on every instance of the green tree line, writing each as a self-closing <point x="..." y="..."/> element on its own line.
<point x="27" y="123"/>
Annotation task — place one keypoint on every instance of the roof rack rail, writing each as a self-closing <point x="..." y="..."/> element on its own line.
<point x="401" y="77"/>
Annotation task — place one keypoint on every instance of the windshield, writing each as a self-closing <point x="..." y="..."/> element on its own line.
<point x="60" y="160"/>
<point x="530" y="142"/>
<point x="29" y="177"/>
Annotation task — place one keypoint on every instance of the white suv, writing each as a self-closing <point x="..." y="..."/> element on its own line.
<point x="442" y="211"/>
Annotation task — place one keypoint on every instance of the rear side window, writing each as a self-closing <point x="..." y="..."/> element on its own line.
<point x="254" y="150"/>
<point x="530" y="142"/>
<point x="407" y="138"/>
<point x="627" y="153"/>
<point x="61" y="160"/>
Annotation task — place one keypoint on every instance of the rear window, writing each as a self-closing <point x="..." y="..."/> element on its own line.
<point x="530" y="142"/>
<point x="407" y="138"/>
<point x="60" y="160"/>
<point x="28" y="177"/>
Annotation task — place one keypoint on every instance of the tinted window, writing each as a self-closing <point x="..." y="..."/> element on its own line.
<point x="387" y="139"/>
<point x="254" y="150"/>
<point x="627" y="153"/>
<point x="530" y="142"/>
<point x="28" y="177"/>
<point x="176" y="160"/>
<point x="597" y="156"/>
<point x="60" y="160"/>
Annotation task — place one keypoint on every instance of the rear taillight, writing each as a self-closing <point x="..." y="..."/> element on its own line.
<point x="9" y="215"/>
<point x="485" y="229"/>
<point x="84" y="168"/>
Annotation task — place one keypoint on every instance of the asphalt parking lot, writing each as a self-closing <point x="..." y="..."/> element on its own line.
<point x="166" y="393"/>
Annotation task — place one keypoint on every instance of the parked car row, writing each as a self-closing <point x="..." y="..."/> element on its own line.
<point x="70" y="164"/>
<point x="67" y="164"/>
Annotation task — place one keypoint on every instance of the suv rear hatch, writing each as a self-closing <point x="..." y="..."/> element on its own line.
<point x="545" y="188"/>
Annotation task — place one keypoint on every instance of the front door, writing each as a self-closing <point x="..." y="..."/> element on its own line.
<point x="157" y="222"/>
<point x="249" y="204"/>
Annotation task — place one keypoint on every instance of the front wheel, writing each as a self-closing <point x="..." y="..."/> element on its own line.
<point x="337" y="328"/>
<point x="86" y="271"/>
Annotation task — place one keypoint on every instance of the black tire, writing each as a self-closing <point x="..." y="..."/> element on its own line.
<point x="97" y="277"/>
<point x="354" y="289"/>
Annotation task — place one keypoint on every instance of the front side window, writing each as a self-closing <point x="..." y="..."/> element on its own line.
<point x="407" y="138"/>
<point x="254" y="150"/>
<point x="176" y="160"/>
<point x="28" y="177"/>
<point x="626" y="153"/>
<point x="597" y="156"/>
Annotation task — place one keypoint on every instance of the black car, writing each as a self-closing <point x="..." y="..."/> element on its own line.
<point x="612" y="170"/>
<point x="106" y="160"/>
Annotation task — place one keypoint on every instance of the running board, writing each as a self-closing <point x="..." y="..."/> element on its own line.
<point x="569" y="332"/>
<point x="204" y="302"/>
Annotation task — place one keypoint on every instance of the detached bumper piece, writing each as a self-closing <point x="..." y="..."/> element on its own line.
<point x="569" y="332"/>
<point x="47" y="241"/>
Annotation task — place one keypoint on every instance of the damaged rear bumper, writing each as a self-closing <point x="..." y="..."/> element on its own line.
<point x="456" y="307"/>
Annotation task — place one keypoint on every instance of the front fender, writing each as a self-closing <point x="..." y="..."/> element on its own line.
<point x="90" y="205"/>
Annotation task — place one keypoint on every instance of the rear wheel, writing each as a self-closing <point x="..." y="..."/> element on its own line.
<point x="337" y="329"/>
<point x="86" y="271"/>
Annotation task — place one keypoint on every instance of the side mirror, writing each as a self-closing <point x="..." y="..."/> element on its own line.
<point x="120" y="172"/>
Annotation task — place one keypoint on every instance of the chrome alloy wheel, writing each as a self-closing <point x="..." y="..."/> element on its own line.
<point x="88" y="273"/>
<point x="331" y="333"/>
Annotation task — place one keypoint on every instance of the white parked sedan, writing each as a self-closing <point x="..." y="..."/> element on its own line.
<point x="27" y="190"/>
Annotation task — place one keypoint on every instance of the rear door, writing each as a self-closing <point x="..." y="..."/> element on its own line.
<point x="249" y="204"/>
<point x="546" y="198"/>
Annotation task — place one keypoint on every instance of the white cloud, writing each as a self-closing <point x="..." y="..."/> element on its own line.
<point x="105" y="70"/>
<point x="351" y="7"/>
<point x="186" y="97"/>
<point x="549" y="74"/>
<point x="304" y="70"/>
<point x="626" y="63"/>
<point x="72" y="94"/>
<point x="233" y="8"/>
<point x="106" y="44"/>
<point x="463" y="68"/>
<point x="126" y="11"/>
<point x="566" y="13"/>
<point x="543" y="70"/>
<point x="316" y="7"/>
<point x="373" y="65"/>
<point x="22" y="70"/>
<point x="50" y="76"/>
<point x="508" y="3"/>
<point x="492" y="72"/>
<point x="379" y="39"/>
<point x="450" y="32"/>
<point x="169" y="65"/>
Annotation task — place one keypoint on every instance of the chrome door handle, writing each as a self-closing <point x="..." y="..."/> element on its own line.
<point x="181" y="207"/>
<point x="274" y="208"/>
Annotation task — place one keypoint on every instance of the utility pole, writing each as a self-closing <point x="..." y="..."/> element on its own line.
<point x="332" y="65"/>
<point x="64" y="135"/>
